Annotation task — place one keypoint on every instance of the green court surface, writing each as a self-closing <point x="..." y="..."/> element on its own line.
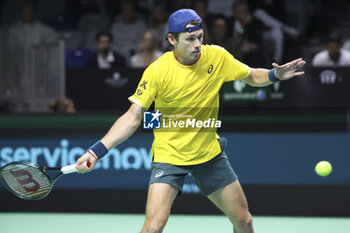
<point x="125" y="223"/>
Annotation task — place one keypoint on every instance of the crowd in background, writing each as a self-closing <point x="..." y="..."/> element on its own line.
<point x="107" y="33"/>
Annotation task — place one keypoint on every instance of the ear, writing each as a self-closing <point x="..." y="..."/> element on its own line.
<point x="171" y="39"/>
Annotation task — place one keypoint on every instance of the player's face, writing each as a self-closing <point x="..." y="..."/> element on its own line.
<point x="188" y="46"/>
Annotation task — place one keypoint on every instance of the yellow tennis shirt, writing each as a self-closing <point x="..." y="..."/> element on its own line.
<point x="187" y="91"/>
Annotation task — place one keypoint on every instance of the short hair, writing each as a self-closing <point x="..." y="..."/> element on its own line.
<point x="108" y="34"/>
<point x="334" y="38"/>
<point x="175" y="35"/>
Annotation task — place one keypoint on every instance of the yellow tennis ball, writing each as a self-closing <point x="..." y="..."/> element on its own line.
<point x="323" y="168"/>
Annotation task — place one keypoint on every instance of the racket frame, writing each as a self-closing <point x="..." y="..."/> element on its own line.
<point x="42" y="169"/>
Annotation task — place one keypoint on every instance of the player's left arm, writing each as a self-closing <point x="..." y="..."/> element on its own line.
<point x="260" y="77"/>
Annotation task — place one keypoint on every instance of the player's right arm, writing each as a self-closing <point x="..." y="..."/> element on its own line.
<point x="122" y="129"/>
<point x="127" y="124"/>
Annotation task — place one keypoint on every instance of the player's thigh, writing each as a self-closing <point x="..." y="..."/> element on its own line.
<point x="159" y="201"/>
<point x="231" y="200"/>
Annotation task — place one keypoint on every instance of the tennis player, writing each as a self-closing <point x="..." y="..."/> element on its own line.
<point x="190" y="76"/>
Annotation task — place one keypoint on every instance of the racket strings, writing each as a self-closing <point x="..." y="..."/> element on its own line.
<point x="26" y="181"/>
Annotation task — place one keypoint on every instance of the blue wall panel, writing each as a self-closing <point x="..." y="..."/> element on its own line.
<point x="274" y="158"/>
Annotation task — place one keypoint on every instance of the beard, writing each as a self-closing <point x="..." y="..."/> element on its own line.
<point x="335" y="57"/>
<point x="105" y="51"/>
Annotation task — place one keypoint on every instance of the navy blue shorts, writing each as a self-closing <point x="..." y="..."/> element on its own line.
<point x="209" y="176"/>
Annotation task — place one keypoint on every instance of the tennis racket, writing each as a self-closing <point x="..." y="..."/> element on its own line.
<point x="31" y="182"/>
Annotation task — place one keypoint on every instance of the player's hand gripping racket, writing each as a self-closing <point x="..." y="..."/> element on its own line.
<point x="31" y="182"/>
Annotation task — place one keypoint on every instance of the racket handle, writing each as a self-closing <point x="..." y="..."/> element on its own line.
<point x="71" y="168"/>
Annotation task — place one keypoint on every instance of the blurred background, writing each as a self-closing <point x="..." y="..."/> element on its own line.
<point x="68" y="66"/>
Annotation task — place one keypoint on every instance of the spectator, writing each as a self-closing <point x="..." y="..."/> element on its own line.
<point x="271" y="13"/>
<point x="334" y="55"/>
<point x="159" y="24"/>
<point x="299" y="12"/>
<point x="127" y="31"/>
<point x="200" y="6"/>
<point x="105" y="57"/>
<point x="29" y="31"/>
<point x="220" y="7"/>
<point x="220" y="36"/>
<point x="247" y="31"/>
<point x="147" y="53"/>
<point x="63" y="105"/>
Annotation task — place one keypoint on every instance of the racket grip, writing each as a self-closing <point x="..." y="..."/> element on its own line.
<point x="71" y="168"/>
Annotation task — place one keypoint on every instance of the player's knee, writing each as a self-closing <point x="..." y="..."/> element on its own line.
<point x="244" y="219"/>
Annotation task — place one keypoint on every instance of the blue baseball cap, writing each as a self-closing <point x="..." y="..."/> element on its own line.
<point x="179" y="19"/>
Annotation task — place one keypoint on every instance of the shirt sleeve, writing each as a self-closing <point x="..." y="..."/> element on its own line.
<point x="232" y="69"/>
<point x="146" y="90"/>
<point x="317" y="60"/>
